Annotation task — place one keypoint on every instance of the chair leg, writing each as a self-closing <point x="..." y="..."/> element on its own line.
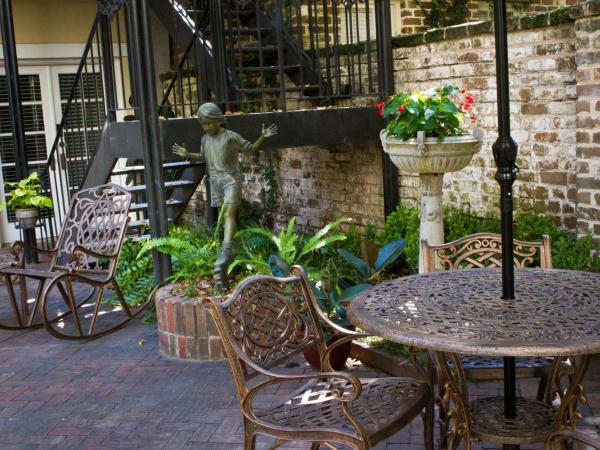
<point x="36" y="303"/>
<point x="73" y="306"/>
<point x="315" y="446"/>
<point x="428" y="421"/>
<point x="13" y="300"/>
<point x="96" y="311"/>
<point x="121" y="298"/>
<point x="250" y="441"/>
<point x="541" y="393"/>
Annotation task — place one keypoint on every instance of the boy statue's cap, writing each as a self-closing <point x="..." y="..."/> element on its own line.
<point x="210" y="111"/>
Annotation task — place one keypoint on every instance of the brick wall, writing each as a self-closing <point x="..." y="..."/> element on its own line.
<point x="587" y="57"/>
<point x="543" y="96"/>
<point x="555" y="104"/>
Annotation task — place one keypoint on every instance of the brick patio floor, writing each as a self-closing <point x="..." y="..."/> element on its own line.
<point x="119" y="392"/>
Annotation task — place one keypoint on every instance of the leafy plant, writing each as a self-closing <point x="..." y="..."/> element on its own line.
<point x="436" y="112"/>
<point x="445" y="13"/>
<point x="134" y="275"/>
<point x="387" y="255"/>
<point x="267" y="252"/>
<point x="568" y="250"/>
<point x="26" y="194"/>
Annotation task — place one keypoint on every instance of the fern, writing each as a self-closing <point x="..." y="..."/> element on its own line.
<point x="171" y="246"/>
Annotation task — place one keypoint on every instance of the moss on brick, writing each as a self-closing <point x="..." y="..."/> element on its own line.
<point x="560" y="16"/>
<point x="434" y="35"/>
<point x="456" y="32"/>
<point x="534" y="21"/>
<point x="485" y="27"/>
<point x="512" y="24"/>
<point x="409" y="40"/>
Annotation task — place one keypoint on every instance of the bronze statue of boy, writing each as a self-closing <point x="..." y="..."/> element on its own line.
<point x="220" y="150"/>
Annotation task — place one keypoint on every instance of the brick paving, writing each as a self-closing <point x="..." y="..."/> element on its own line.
<point x="119" y="392"/>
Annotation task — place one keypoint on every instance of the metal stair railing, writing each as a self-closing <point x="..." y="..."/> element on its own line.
<point x="95" y="98"/>
<point x="280" y="55"/>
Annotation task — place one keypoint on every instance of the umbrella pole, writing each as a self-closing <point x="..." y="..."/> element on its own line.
<point x="505" y="154"/>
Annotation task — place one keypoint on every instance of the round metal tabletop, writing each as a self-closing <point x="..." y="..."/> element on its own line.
<point x="555" y="313"/>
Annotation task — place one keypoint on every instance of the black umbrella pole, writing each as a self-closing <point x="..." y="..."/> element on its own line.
<point x="505" y="155"/>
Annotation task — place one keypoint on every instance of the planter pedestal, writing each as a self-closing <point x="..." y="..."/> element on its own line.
<point x="185" y="328"/>
<point x="432" y="224"/>
<point x="431" y="159"/>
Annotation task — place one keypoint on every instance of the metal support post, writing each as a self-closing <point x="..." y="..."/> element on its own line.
<point x="218" y="41"/>
<point x="148" y="111"/>
<point x="391" y="198"/>
<point x="108" y="67"/>
<point x="505" y="154"/>
<point x="16" y="113"/>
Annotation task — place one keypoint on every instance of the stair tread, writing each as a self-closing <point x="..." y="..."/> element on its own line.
<point x="276" y="89"/>
<point x="247" y="31"/>
<point x="141" y="223"/>
<point x="140" y="206"/>
<point x="168" y="165"/>
<point x="168" y="184"/>
<point x="264" y="48"/>
<point x="265" y="68"/>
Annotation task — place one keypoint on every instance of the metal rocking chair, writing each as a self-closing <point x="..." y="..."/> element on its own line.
<point x="87" y="253"/>
<point x="266" y="321"/>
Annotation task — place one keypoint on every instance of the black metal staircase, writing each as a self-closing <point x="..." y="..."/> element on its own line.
<point x="263" y="56"/>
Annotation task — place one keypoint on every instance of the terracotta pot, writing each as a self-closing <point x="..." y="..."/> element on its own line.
<point x="27" y="217"/>
<point x="338" y="356"/>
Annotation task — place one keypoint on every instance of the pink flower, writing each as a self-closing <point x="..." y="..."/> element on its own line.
<point x="402" y="108"/>
<point x="380" y="106"/>
<point x="473" y="117"/>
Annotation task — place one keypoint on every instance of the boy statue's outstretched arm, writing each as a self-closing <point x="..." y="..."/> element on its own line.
<point x="265" y="133"/>
<point x="183" y="152"/>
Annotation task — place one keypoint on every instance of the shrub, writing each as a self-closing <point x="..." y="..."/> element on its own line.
<point x="568" y="250"/>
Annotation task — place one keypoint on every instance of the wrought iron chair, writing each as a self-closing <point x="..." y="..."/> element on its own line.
<point x="560" y="439"/>
<point x="87" y="252"/>
<point x="482" y="250"/>
<point x="266" y="321"/>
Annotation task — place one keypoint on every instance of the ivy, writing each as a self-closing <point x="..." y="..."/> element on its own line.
<point x="445" y="13"/>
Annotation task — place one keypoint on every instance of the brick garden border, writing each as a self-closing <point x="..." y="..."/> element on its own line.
<point x="185" y="328"/>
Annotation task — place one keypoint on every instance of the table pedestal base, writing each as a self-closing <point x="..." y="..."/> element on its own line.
<point x="483" y="419"/>
<point x="534" y="422"/>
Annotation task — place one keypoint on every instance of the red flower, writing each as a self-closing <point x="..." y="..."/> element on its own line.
<point x="380" y="106"/>
<point x="473" y="117"/>
<point x="467" y="106"/>
<point x="463" y="90"/>
<point x="469" y="99"/>
<point x="402" y="108"/>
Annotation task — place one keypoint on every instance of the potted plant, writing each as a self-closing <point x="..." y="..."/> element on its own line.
<point x="26" y="200"/>
<point x="425" y="135"/>
<point x="334" y="292"/>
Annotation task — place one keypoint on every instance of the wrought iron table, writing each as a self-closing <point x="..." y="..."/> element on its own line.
<point x="556" y="314"/>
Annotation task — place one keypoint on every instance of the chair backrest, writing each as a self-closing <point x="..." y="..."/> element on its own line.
<point x="484" y="250"/>
<point x="265" y="321"/>
<point x="97" y="220"/>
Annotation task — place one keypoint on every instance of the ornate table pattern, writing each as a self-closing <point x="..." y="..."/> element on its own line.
<point x="556" y="313"/>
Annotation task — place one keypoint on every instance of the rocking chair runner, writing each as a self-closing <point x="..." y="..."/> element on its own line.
<point x="87" y="252"/>
<point x="265" y="322"/>
<point x="560" y="440"/>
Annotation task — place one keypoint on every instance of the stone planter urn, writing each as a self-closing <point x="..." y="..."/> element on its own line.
<point x="431" y="159"/>
<point x="27" y="217"/>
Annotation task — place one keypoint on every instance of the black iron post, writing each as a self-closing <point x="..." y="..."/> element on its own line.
<point x="218" y="42"/>
<point x="385" y="62"/>
<point x="148" y="112"/>
<point x="16" y="113"/>
<point x="108" y="68"/>
<point x="505" y="154"/>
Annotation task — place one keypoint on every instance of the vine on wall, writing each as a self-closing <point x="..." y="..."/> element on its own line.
<point x="444" y="13"/>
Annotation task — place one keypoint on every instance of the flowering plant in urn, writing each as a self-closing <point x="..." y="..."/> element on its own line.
<point x="424" y="135"/>
<point x="439" y="113"/>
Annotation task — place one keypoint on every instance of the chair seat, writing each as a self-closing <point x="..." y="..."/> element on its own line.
<point x="385" y="406"/>
<point x="491" y="368"/>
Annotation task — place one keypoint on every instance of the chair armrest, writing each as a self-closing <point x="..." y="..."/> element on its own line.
<point x="19" y="247"/>
<point x="558" y="438"/>
<point x="343" y="396"/>
<point x="78" y="250"/>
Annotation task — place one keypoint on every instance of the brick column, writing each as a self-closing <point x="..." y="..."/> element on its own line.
<point x="587" y="29"/>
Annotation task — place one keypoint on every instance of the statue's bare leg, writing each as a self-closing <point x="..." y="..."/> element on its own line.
<point x="227" y="251"/>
